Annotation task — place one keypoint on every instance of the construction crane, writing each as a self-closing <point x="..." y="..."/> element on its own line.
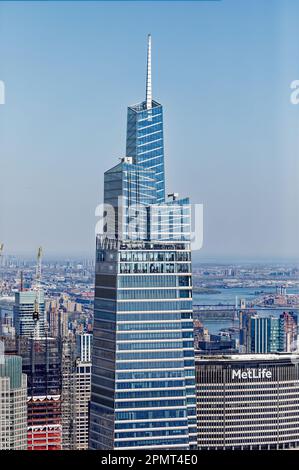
<point x="38" y="275"/>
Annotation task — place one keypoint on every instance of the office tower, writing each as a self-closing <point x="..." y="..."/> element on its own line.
<point x="57" y="319"/>
<point x="7" y="325"/>
<point x="273" y="334"/>
<point x="42" y="365"/>
<point x="6" y="317"/>
<point x="143" y="376"/>
<point x="245" y="339"/>
<point x="13" y="404"/>
<point x="288" y="323"/>
<point x="82" y="401"/>
<point x="53" y="321"/>
<point x="84" y="344"/>
<point x="63" y="327"/>
<point x="24" y="308"/>
<point x="247" y="402"/>
<point x="82" y="391"/>
<point x="268" y="334"/>
<point x="68" y="369"/>
<point x="264" y="334"/>
<point x="260" y="334"/>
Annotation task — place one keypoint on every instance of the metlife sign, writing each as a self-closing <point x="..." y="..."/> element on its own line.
<point x="242" y="374"/>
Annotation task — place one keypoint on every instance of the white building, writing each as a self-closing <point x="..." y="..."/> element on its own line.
<point x="82" y="399"/>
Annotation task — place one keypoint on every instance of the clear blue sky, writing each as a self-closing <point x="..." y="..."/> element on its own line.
<point x="222" y="70"/>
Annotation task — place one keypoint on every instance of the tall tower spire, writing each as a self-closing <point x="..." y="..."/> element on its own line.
<point x="149" y="73"/>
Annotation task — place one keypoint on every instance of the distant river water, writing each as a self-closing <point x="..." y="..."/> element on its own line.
<point x="228" y="296"/>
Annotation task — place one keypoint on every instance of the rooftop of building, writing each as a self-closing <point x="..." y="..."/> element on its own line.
<point x="128" y="164"/>
<point x="249" y="357"/>
<point x="143" y="106"/>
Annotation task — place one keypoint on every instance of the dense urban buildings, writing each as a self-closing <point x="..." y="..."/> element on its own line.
<point x="248" y="402"/>
<point x="153" y="353"/>
<point x="143" y="377"/>
<point x="267" y="334"/>
<point x="58" y="393"/>
<point x="13" y="404"/>
<point x="42" y="366"/>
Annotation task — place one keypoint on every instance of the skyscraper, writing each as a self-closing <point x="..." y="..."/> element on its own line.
<point x="288" y="331"/>
<point x="268" y="334"/>
<point x="143" y="376"/>
<point x="84" y="344"/>
<point x="13" y="405"/>
<point x="68" y="372"/>
<point x="82" y="390"/>
<point x="145" y="141"/>
<point x="25" y="303"/>
<point x="42" y="365"/>
<point x="264" y="334"/>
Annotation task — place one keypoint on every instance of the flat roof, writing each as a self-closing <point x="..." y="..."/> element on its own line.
<point x="139" y="107"/>
<point x="246" y="357"/>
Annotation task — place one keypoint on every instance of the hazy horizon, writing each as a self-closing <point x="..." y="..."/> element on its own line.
<point x="222" y="72"/>
<point x="196" y="259"/>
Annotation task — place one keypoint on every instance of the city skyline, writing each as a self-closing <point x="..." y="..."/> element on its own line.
<point x="161" y="310"/>
<point x="236" y="126"/>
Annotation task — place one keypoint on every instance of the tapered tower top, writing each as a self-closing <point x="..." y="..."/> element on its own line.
<point x="149" y="73"/>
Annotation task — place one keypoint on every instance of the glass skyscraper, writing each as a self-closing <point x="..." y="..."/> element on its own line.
<point x="260" y="335"/>
<point x="264" y="334"/>
<point x="143" y="375"/>
<point x="145" y="143"/>
<point x="24" y="308"/>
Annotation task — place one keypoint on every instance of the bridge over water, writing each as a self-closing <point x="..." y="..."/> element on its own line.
<point x="231" y="312"/>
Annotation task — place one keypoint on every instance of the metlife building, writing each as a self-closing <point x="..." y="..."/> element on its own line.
<point x="248" y="402"/>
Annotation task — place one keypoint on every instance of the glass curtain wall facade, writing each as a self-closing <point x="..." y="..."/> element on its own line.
<point x="268" y="334"/>
<point x="145" y="143"/>
<point x="128" y="190"/>
<point x="170" y="221"/>
<point x="23" y="308"/>
<point x="143" y="373"/>
<point x="143" y="383"/>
